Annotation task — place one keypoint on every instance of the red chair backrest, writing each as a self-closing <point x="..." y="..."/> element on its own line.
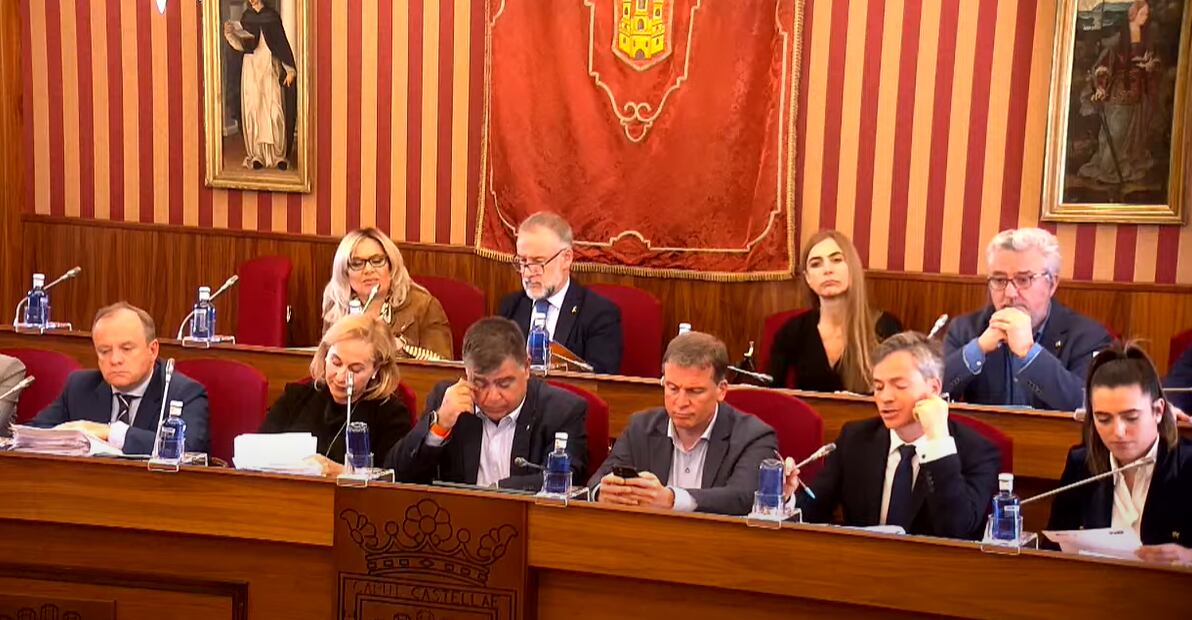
<point x="641" y="328"/>
<point x="597" y="425"/>
<point x="263" y="290"/>
<point x="800" y="428"/>
<point x="770" y="328"/>
<point x="237" y="399"/>
<point x="463" y="303"/>
<point x="1003" y="441"/>
<point x="50" y="370"/>
<point x="1179" y="343"/>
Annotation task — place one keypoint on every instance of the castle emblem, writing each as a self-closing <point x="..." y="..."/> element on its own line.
<point x="643" y="36"/>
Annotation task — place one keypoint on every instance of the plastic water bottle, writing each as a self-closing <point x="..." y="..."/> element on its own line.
<point x="558" y="465"/>
<point x="684" y="328"/>
<point x="172" y="443"/>
<point x="359" y="452"/>
<point x="37" y="303"/>
<point x="538" y="346"/>
<point x="355" y="307"/>
<point x="1006" y="519"/>
<point x="769" y="484"/>
<point x="202" y="321"/>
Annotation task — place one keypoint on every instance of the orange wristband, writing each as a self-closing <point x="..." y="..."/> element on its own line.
<point x="439" y="431"/>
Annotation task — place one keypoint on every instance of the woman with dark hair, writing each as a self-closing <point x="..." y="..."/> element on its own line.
<point x="1129" y="420"/>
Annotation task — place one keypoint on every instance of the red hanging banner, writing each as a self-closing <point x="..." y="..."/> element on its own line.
<point x="663" y="130"/>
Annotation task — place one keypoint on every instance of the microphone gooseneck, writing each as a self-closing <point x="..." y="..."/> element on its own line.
<point x="521" y="462"/>
<point x="757" y="376"/>
<point x="376" y="289"/>
<point x="1149" y="460"/>
<point x="229" y="283"/>
<point x="939" y="324"/>
<point x="71" y="273"/>
<point x="823" y="451"/>
<point x="165" y="398"/>
<point x="22" y="384"/>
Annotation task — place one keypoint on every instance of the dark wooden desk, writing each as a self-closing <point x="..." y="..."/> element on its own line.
<point x="1041" y="438"/>
<point x="210" y="543"/>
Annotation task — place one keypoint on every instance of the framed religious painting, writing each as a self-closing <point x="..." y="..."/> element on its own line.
<point x="1116" y="140"/>
<point x="256" y="94"/>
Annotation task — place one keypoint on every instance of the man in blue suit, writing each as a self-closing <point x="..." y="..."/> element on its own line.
<point x="120" y="403"/>
<point x="584" y="322"/>
<point x="1024" y="349"/>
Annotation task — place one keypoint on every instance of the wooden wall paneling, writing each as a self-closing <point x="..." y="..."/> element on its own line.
<point x="12" y="153"/>
<point x="160" y="267"/>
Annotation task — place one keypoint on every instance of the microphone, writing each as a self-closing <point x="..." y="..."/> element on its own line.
<point x="823" y="451"/>
<point x="371" y="296"/>
<point x="1149" y="460"/>
<point x="165" y="398"/>
<point x="939" y="324"/>
<point x="72" y="273"/>
<point x="520" y="462"/>
<point x="757" y="376"/>
<point x="351" y="391"/>
<point x="229" y="283"/>
<point x="22" y="384"/>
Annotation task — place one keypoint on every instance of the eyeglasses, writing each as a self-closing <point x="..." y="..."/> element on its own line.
<point x="1021" y="281"/>
<point x="521" y="265"/>
<point x="377" y="261"/>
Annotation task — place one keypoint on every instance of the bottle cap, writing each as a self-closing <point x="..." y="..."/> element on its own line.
<point x="684" y="328"/>
<point x="560" y="436"/>
<point x="39" y="279"/>
<point x="175" y="407"/>
<point x="204" y="292"/>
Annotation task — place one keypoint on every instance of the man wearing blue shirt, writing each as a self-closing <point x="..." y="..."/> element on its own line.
<point x="1024" y="348"/>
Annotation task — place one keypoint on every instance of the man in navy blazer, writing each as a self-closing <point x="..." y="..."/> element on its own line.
<point x="584" y="322"/>
<point x="1024" y="349"/>
<point x="696" y="453"/>
<point x="474" y="429"/>
<point x="120" y="403"/>
<point x="911" y="466"/>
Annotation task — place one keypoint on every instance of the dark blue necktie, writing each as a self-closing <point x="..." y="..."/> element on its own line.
<point x="124" y="404"/>
<point x="899" y="510"/>
<point x="541" y="307"/>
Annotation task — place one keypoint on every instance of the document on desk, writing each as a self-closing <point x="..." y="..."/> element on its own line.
<point x="1104" y="542"/>
<point x="60" y="442"/>
<point x="286" y="453"/>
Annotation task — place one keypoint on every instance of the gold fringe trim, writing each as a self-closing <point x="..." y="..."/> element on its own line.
<point x="653" y="272"/>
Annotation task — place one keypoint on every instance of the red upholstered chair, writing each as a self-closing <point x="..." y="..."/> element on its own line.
<point x="237" y="399"/>
<point x="263" y="289"/>
<point x="464" y="304"/>
<point x="641" y="328"/>
<point x="800" y="428"/>
<point x="50" y="370"/>
<point x="1003" y="441"/>
<point x="770" y="328"/>
<point x="597" y="426"/>
<point x="1179" y="343"/>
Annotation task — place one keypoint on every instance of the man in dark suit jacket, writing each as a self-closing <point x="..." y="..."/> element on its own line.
<point x="475" y="429"/>
<point x="696" y="453"/>
<point x="911" y="467"/>
<point x="120" y="403"/>
<point x="584" y="322"/>
<point x="1180" y="376"/>
<point x="1025" y="348"/>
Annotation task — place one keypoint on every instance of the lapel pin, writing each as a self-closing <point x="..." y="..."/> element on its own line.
<point x="574" y="309"/>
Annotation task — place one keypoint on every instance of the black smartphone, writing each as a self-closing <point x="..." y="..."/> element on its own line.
<point x="622" y="471"/>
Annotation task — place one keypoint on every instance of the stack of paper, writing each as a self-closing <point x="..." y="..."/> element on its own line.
<point x="287" y="453"/>
<point x="1103" y="542"/>
<point x="60" y="442"/>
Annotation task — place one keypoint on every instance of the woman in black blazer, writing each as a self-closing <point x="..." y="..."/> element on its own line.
<point x="364" y="346"/>
<point x="828" y="348"/>
<point x="1128" y="420"/>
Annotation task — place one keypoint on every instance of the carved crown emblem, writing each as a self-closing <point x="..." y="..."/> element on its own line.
<point x="426" y="543"/>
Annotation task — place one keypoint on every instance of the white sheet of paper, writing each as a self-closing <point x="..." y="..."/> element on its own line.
<point x="276" y="452"/>
<point x="60" y="442"/>
<point x="1105" y="542"/>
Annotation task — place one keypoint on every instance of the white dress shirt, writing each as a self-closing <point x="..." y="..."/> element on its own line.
<point x="118" y="430"/>
<point x="552" y="313"/>
<point x="687" y="466"/>
<point x="1128" y="503"/>
<point x="496" y="446"/>
<point x="925" y="452"/>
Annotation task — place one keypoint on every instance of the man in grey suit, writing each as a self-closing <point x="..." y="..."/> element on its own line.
<point x="707" y="453"/>
<point x="12" y="371"/>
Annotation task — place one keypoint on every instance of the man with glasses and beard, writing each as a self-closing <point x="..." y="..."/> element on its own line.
<point x="1024" y="348"/>
<point x="584" y="322"/>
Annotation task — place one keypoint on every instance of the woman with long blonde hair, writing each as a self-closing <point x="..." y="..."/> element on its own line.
<point x="367" y="258"/>
<point x="828" y="348"/>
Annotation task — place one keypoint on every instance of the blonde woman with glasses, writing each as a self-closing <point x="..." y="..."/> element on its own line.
<point x="368" y="259"/>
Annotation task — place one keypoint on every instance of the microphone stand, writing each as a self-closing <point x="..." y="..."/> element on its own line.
<point x="161" y="414"/>
<point x="229" y="283"/>
<point x="16" y="318"/>
<point x="1150" y="460"/>
<point x="765" y="379"/>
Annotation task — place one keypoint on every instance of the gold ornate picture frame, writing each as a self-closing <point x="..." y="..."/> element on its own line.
<point x="1116" y="138"/>
<point x="256" y="94"/>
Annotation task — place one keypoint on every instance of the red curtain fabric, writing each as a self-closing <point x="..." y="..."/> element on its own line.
<point x="663" y="130"/>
